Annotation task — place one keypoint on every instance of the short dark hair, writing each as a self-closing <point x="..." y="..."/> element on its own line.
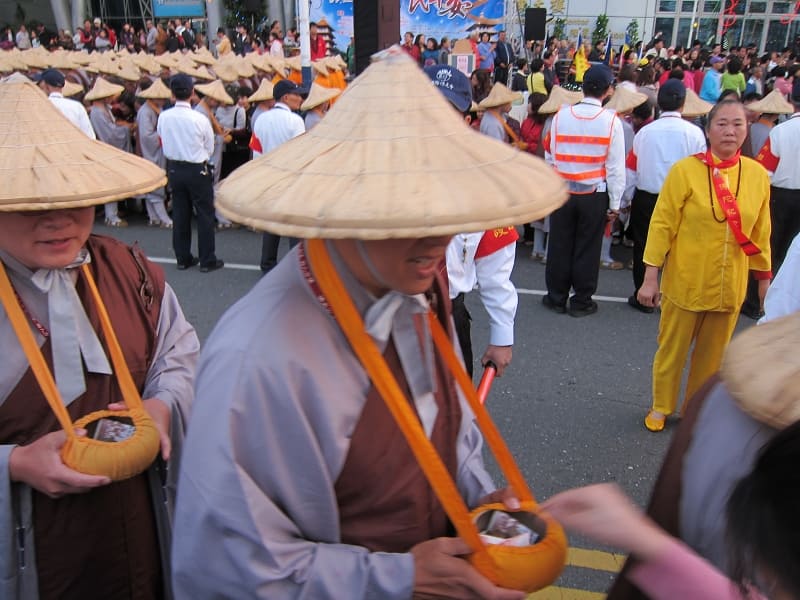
<point x="727" y="101"/>
<point x="536" y="65"/>
<point x="762" y="516"/>
<point x="644" y="111"/>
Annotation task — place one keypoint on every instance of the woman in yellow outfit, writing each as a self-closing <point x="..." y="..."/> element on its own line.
<point x="711" y="225"/>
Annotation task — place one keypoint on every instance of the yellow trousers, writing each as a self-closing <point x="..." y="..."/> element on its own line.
<point x="678" y="328"/>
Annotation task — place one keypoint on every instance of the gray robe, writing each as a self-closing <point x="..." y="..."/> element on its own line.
<point x="278" y="395"/>
<point x="107" y="130"/>
<point x="150" y="145"/>
<point x="169" y="378"/>
<point x="219" y="146"/>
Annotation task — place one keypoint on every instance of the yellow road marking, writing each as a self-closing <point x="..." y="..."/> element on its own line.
<point x="558" y="593"/>
<point x="595" y="559"/>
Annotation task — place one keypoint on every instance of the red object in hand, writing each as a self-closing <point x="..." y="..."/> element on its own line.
<point x="486" y="381"/>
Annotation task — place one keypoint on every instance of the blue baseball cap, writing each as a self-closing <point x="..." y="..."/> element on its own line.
<point x="51" y="77"/>
<point x="284" y="86"/>
<point x="598" y="77"/>
<point x="181" y="82"/>
<point x="453" y="84"/>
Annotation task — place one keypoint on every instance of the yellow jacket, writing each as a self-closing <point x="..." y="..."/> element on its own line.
<point x="704" y="269"/>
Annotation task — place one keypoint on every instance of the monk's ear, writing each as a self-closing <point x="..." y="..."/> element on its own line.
<point x="468" y="119"/>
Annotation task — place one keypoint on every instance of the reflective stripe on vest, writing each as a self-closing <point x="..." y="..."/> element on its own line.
<point x="581" y="144"/>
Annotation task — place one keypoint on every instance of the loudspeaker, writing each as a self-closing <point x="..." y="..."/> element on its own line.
<point x="535" y="24"/>
<point x="376" y="25"/>
<point x="253" y="5"/>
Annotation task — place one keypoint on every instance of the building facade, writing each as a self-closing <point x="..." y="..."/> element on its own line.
<point x="766" y="24"/>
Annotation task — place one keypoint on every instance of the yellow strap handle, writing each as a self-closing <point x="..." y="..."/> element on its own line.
<point x="496" y="443"/>
<point x="130" y="394"/>
<point x="33" y="353"/>
<point x="384" y="381"/>
<point x="38" y="364"/>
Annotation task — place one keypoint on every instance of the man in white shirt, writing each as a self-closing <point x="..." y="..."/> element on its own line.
<point x="586" y="146"/>
<point x="23" y="38"/>
<point x="656" y="148"/>
<point x="188" y="141"/>
<point x="52" y="82"/>
<point x="275" y="127"/>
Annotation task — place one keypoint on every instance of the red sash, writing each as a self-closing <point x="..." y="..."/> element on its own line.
<point x="727" y="200"/>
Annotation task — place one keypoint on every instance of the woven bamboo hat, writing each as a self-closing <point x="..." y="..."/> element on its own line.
<point x="559" y="97"/>
<point x="35" y="59"/>
<point x="71" y="89"/>
<point x="384" y="164"/>
<point x="103" y="89"/>
<point x="215" y="90"/>
<point x="62" y="61"/>
<point x="264" y="92"/>
<point x="499" y="96"/>
<point x="694" y="106"/>
<point x="625" y="100"/>
<point x="761" y="370"/>
<point x="203" y="56"/>
<point x="773" y="103"/>
<point x="226" y="72"/>
<point x="157" y="91"/>
<point x="47" y="163"/>
<point x="318" y="95"/>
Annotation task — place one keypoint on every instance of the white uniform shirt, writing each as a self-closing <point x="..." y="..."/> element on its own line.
<point x="784" y="145"/>
<point x="491" y="275"/>
<point x="275" y="127"/>
<point x="185" y="134"/>
<point x="783" y="296"/>
<point x="75" y="112"/>
<point x="658" y="146"/>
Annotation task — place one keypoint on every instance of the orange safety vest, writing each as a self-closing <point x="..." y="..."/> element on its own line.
<point x="580" y="145"/>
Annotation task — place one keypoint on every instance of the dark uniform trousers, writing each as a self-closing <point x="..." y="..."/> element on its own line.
<point x="269" y="250"/>
<point x="461" y="320"/>
<point x="642" y="207"/>
<point x="784" y="206"/>
<point x="573" y="251"/>
<point x="192" y="187"/>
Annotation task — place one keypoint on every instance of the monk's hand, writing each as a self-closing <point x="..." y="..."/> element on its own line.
<point x="499" y="355"/>
<point x="160" y="413"/>
<point x="505" y="496"/>
<point x="763" y="286"/>
<point x="440" y="572"/>
<point x="39" y="465"/>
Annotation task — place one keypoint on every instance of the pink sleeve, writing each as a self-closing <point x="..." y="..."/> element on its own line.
<point x="680" y="573"/>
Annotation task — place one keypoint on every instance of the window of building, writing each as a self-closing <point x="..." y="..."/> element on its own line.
<point x="751" y="32"/>
<point x="758" y="7"/>
<point x="665" y="25"/>
<point x="687" y="6"/>
<point x="740" y="6"/>
<point x="734" y="34"/>
<point x="667" y="5"/>
<point x="706" y="29"/>
<point x="776" y="36"/>
<point x="711" y="6"/>
<point x="780" y="7"/>
<point x="684" y="27"/>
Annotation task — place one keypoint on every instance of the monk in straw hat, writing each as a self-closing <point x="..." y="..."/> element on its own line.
<point x="65" y="533"/>
<point x="293" y="458"/>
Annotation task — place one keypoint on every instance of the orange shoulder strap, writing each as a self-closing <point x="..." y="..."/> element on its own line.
<point x="384" y="381"/>
<point x="38" y="364"/>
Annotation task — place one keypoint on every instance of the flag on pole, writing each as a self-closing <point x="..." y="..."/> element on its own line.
<point x="625" y="47"/>
<point x="608" y="57"/>
<point x="580" y="61"/>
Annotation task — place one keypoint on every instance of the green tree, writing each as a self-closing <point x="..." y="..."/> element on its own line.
<point x="633" y="31"/>
<point x="600" y="32"/>
<point x="559" y="27"/>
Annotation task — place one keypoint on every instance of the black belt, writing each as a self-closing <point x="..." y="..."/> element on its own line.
<point x="646" y="193"/>
<point x="183" y="163"/>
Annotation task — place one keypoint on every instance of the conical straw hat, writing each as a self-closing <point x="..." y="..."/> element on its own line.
<point x="388" y="164"/>
<point x="499" y="96"/>
<point x="264" y="92"/>
<point x="157" y="91"/>
<point x="761" y="370"/>
<point x="215" y="90"/>
<point x="103" y="89"/>
<point x="34" y="60"/>
<point x="625" y="100"/>
<point x="773" y="103"/>
<point x="244" y="68"/>
<point x="559" y="97"/>
<point x="203" y="56"/>
<point x="320" y="67"/>
<point x="46" y="162"/>
<point x="226" y="72"/>
<point x="694" y="106"/>
<point x="71" y="89"/>
<point x="317" y="95"/>
<point x="202" y="72"/>
<point x="129" y="71"/>
<point x="78" y="57"/>
<point x="63" y="61"/>
<point x="263" y="63"/>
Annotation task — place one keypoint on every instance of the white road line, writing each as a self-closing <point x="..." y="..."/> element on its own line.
<point x="243" y="267"/>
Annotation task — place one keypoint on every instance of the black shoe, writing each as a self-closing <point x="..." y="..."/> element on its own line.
<point x="585" y="311"/>
<point x="217" y="264"/>
<point x="633" y="302"/>
<point x="182" y="266"/>
<point x="751" y="313"/>
<point x="548" y="303"/>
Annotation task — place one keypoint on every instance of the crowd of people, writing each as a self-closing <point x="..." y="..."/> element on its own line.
<point x="294" y="461"/>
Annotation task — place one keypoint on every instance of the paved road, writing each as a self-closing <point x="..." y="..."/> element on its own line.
<point x="570" y="406"/>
